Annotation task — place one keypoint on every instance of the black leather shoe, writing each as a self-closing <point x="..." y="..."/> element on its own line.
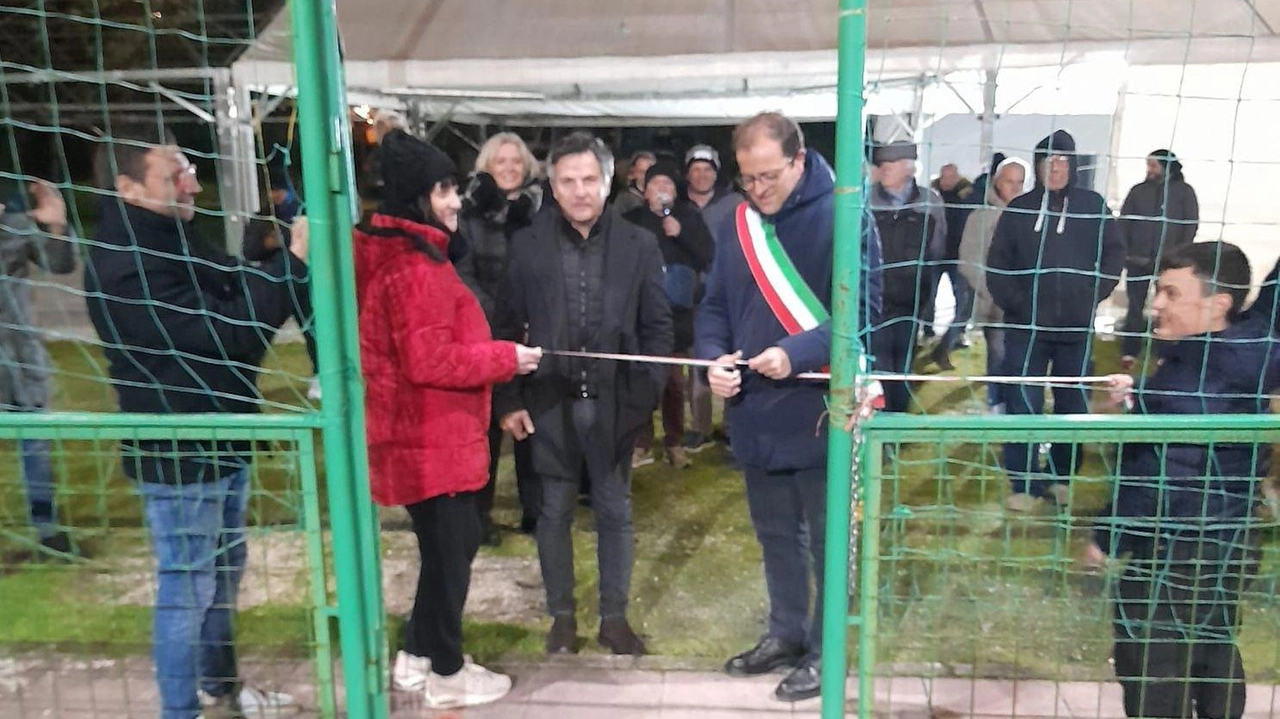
<point x="616" y="636"/>
<point x="804" y="682"/>
<point x="764" y="657"/>
<point x="942" y="358"/>
<point x="563" y="637"/>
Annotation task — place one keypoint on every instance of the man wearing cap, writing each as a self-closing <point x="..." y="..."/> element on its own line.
<point x="686" y="253"/>
<point x="1055" y="256"/>
<point x="913" y="232"/>
<point x="717" y="201"/>
<point x="1160" y="214"/>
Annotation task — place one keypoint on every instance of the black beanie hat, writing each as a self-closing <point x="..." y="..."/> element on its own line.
<point x="411" y="167"/>
<point x="665" y="167"/>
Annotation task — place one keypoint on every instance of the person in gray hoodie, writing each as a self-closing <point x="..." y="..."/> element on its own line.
<point x="1009" y="181"/>
<point x="1160" y="214"/>
<point x="31" y="237"/>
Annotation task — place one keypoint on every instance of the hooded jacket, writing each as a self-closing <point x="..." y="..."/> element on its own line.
<point x="488" y="227"/>
<point x="1168" y="489"/>
<point x="24" y="362"/>
<point x="978" y="231"/>
<point x="724" y="200"/>
<point x="1056" y="254"/>
<point x="183" y="333"/>
<point x="428" y="361"/>
<point x="1157" y="216"/>
<point x="779" y="425"/>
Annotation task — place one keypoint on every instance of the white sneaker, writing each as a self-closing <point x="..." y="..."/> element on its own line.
<point x="250" y="703"/>
<point x="471" y="686"/>
<point x="409" y="673"/>
<point x="313" y="389"/>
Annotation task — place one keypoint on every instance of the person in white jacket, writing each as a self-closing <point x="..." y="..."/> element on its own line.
<point x="1010" y="181"/>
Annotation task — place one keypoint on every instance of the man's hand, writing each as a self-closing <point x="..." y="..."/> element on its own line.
<point x="1093" y="556"/>
<point x="724" y="378"/>
<point x="671" y="226"/>
<point x="50" y="209"/>
<point x="772" y="363"/>
<point x="1119" y="389"/>
<point x="518" y="424"/>
<point x="300" y="237"/>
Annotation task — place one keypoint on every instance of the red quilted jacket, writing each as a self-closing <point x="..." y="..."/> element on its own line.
<point x="428" y="360"/>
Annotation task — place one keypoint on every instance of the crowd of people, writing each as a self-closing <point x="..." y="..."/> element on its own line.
<point x="478" y="296"/>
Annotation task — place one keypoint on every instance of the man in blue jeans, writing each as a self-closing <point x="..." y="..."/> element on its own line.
<point x="37" y="236"/>
<point x="185" y="334"/>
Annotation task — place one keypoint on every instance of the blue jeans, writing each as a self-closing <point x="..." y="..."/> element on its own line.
<point x="789" y="512"/>
<point x="198" y="535"/>
<point x="1028" y="355"/>
<point x="37" y="473"/>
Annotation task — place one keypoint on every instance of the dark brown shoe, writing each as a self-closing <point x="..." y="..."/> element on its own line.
<point x="563" y="637"/>
<point x="617" y="637"/>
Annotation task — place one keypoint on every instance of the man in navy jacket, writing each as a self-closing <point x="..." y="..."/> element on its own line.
<point x="778" y="429"/>
<point x="1055" y="256"/>
<point x="1183" y="513"/>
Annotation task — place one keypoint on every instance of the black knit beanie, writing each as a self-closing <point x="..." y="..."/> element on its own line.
<point x="411" y="167"/>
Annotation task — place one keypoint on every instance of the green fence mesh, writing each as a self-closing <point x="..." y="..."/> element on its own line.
<point x="155" y="275"/>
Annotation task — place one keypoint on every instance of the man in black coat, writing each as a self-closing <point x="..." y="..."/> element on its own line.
<point x="581" y="278"/>
<point x="1055" y="256"/>
<point x="687" y="247"/>
<point x="1160" y="214"/>
<point x="184" y="332"/>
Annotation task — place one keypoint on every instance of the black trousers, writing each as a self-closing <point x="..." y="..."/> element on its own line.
<point x="448" y="530"/>
<point x="894" y="343"/>
<point x="1177" y="613"/>
<point x="528" y="484"/>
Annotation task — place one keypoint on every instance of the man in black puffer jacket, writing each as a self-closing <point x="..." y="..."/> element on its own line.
<point x="687" y="247"/>
<point x="1055" y="256"/>
<point x="1184" y="513"/>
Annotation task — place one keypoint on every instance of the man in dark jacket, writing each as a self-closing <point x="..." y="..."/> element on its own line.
<point x="1160" y="214"/>
<point x="1184" y="513"/>
<point x="36" y="236"/>
<point x="717" y="201"/>
<point x="778" y="425"/>
<point x="913" y="231"/>
<point x="581" y="278"/>
<point x="686" y="254"/>
<point x="1055" y="256"/>
<point x="185" y="335"/>
<point x="957" y="194"/>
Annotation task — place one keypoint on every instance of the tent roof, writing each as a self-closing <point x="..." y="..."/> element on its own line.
<point x="629" y="59"/>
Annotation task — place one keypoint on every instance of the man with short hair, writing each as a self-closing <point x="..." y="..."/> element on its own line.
<point x="1055" y="257"/>
<point x="913" y="231"/>
<point x="686" y="253"/>
<point x="1160" y="214"/>
<point x="1183" y="514"/>
<point x="581" y="278"/>
<point x="1010" y="181"/>
<point x="185" y="334"/>
<point x="957" y="194"/>
<point x="632" y="196"/>
<point x="780" y="246"/>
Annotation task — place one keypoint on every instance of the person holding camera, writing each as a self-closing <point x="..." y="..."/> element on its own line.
<point x="687" y="248"/>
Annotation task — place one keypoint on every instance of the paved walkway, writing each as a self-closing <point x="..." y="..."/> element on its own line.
<point x="63" y="688"/>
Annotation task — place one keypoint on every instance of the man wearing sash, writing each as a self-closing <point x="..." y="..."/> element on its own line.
<point x="768" y="300"/>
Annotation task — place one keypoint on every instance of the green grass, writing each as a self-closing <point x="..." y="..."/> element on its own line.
<point x="964" y="588"/>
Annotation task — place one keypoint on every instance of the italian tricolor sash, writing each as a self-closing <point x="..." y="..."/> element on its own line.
<point x="788" y="295"/>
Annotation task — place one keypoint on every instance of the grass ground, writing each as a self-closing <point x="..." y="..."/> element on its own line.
<point x="964" y="587"/>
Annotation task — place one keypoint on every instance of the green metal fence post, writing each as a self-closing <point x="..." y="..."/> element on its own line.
<point x="325" y="139"/>
<point x="846" y="352"/>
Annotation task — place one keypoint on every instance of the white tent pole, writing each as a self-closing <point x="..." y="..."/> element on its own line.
<point x="988" y="122"/>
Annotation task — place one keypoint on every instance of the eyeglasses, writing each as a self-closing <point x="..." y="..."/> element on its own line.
<point x="765" y="178"/>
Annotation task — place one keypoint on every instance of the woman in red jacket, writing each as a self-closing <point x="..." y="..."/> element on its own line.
<point x="429" y="360"/>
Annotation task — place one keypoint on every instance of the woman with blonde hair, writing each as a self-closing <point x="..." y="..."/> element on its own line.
<point x="502" y="196"/>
